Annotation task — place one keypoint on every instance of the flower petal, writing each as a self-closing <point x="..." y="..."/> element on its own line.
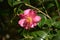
<point x="30" y="12"/>
<point x="35" y="24"/>
<point x="22" y="16"/>
<point x="26" y="12"/>
<point x="26" y="27"/>
<point x="37" y="19"/>
<point x="21" y="22"/>
<point x="29" y="19"/>
<point x="32" y="26"/>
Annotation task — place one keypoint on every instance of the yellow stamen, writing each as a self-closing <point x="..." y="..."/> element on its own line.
<point x="29" y="19"/>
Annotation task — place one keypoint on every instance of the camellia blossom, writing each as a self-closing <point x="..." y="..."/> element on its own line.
<point x="29" y="19"/>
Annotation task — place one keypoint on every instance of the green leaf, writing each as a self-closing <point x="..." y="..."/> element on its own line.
<point x="37" y="38"/>
<point x="57" y="24"/>
<point x="55" y="18"/>
<point x="50" y="5"/>
<point x="26" y="39"/>
<point x="19" y="30"/>
<point x="57" y="37"/>
<point x="1" y="0"/>
<point x="18" y="10"/>
<point x="40" y="34"/>
<point x="43" y="20"/>
<point x="26" y="1"/>
<point x="10" y="2"/>
<point x="14" y="2"/>
<point x="49" y="22"/>
<point x="57" y="4"/>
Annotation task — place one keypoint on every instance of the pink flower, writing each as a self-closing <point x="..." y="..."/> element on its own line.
<point x="29" y="19"/>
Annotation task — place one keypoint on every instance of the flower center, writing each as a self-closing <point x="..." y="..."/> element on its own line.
<point x="29" y="19"/>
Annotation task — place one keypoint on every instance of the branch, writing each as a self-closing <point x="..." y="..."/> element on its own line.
<point x="38" y="10"/>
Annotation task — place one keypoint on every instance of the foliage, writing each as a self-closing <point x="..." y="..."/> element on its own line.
<point x="47" y="29"/>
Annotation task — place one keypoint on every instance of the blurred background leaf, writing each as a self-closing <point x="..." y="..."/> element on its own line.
<point x="1" y="0"/>
<point x="14" y="2"/>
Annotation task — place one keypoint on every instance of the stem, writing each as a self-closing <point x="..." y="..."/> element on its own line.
<point x="38" y="10"/>
<point x="45" y="10"/>
<point x="58" y="8"/>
